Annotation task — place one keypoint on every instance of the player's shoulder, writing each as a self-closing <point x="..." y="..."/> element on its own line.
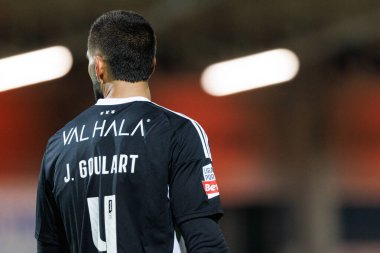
<point x="176" y="119"/>
<point x="188" y="133"/>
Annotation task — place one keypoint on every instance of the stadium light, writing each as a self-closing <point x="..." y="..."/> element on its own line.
<point x="250" y="72"/>
<point x="34" y="67"/>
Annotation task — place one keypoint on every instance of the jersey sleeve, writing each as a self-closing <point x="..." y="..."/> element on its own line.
<point x="193" y="190"/>
<point x="49" y="230"/>
<point x="203" y="235"/>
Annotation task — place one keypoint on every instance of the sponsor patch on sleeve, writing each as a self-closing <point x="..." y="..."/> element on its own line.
<point x="209" y="184"/>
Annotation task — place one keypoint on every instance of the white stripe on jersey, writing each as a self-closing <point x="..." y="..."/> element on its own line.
<point x="117" y="101"/>
<point x="205" y="138"/>
<point x="201" y="132"/>
<point x="176" y="247"/>
<point x="179" y="244"/>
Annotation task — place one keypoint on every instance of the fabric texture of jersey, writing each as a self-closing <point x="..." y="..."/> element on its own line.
<point x="120" y="176"/>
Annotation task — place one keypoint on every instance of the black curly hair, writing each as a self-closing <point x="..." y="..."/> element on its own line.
<point x="127" y="42"/>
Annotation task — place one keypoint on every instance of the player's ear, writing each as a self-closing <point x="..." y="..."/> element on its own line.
<point x="154" y="62"/>
<point x="101" y="69"/>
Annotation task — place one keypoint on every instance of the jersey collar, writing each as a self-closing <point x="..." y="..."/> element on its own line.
<point x="117" y="101"/>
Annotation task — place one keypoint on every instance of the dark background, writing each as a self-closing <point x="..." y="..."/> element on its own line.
<point x="298" y="164"/>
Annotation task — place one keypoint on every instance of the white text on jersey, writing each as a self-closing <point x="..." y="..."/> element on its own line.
<point x="101" y="129"/>
<point x="101" y="165"/>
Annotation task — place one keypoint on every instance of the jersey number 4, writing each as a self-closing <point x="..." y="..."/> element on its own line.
<point x="110" y="245"/>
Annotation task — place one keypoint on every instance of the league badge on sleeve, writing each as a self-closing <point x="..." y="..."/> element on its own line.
<point x="209" y="183"/>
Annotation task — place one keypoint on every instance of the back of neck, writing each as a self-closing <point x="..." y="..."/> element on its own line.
<point x="123" y="89"/>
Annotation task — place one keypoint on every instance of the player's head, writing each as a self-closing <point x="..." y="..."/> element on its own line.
<point x="125" y="43"/>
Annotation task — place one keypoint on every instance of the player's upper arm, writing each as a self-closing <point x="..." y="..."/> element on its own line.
<point x="203" y="235"/>
<point x="49" y="229"/>
<point x="190" y="142"/>
<point x="193" y="188"/>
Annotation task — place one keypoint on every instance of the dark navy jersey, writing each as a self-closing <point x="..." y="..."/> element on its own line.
<point x="120" y="176"/>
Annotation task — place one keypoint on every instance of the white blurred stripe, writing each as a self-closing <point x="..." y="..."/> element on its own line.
<point x="34" y="67"/>
<point x="250" y="72"/>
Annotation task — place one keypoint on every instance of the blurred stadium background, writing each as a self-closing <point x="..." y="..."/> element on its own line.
<point x="298" y="164"/>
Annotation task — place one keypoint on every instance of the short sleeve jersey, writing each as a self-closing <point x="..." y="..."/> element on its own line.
<point x="120" y="176"/>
